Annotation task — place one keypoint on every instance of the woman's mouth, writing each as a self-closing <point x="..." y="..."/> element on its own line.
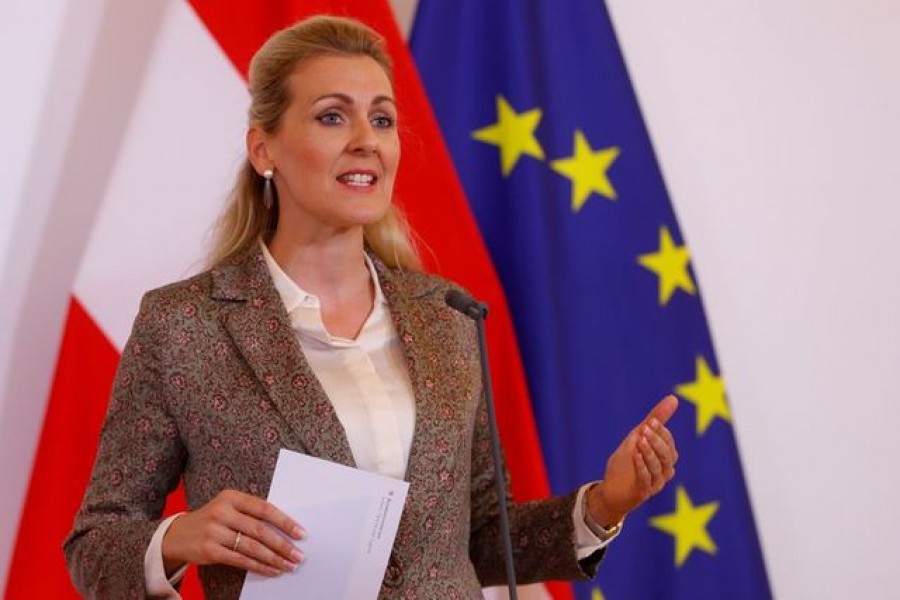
<point x="358" y="179"/>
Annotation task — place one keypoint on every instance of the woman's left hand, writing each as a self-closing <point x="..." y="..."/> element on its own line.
<point x="639" y="468"/>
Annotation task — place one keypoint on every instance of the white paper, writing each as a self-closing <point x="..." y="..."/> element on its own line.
<point x="351" y="518"/>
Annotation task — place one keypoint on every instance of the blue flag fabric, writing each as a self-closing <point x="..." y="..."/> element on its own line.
<point x="538" y="111"/>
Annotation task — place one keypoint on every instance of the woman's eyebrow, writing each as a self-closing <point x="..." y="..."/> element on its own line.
<point x="345" y="99"/>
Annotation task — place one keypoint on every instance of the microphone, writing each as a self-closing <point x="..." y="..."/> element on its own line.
<point x="478" y="311"/>
<point x="465" y="304"/>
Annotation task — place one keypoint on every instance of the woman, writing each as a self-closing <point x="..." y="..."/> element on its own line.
<point x="315" y="330"/>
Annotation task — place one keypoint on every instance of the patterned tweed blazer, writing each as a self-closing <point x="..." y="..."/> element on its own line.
<point x="212" y="383"/>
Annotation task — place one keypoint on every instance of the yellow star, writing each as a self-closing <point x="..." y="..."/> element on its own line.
<point x="596" y="594"/>
<point x="513" y="133"/>
<point x="707" y="393"/>
<point x="587" y="170"/>
<point x="688" y="526"/>
<point x="670" y="263"/>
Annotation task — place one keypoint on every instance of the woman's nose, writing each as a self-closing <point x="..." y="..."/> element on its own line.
<point x="364" y="139"/>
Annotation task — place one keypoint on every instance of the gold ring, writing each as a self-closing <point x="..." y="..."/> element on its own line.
<point x="237" y="541"/>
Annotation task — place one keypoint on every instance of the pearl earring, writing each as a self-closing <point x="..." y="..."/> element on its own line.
<point x="268" y="194"/>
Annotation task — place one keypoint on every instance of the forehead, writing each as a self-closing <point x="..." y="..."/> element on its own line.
<point x="355" y="76"/>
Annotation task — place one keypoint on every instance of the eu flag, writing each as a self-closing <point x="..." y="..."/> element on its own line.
<point x="536" y="106"/>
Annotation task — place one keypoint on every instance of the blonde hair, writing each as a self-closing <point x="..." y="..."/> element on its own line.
<point x="245" y="219"/>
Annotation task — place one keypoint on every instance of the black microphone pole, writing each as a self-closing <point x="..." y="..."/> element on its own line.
<point x="477" y="312"/>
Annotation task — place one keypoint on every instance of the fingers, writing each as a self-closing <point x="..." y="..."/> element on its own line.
<point x="252" y="554"/>
<point x="262" y="542"/>
<point x="264" y="511"/>
<point x="250" y="565"/>
<point x="643" y="476"/>
<point x="664" y="410"/>
<point x="643" y="462"/>
<point x="229" y="549"/>
<point x="669" y="442"/>
<point x="209" y="535"/>
<point x="658" y="455"/>
<point x="264" y="530"/>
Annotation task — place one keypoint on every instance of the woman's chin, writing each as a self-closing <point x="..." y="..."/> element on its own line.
<point x="370" y="215"/>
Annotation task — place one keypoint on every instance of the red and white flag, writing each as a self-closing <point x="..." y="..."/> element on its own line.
<point x="174" y="138"/>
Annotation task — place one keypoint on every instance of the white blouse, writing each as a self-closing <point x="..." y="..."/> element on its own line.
<point x="365" y="379"/>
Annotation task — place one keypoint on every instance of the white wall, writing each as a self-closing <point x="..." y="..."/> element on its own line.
<point x="776" y="126"/>
<point x="45" y="53"/>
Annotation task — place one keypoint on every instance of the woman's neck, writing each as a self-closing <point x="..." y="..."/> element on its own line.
<point x="334" y="270"/>
<point x="325" y="265"/>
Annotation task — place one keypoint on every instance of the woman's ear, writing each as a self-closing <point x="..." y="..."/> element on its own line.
<point x="258" y="150"/>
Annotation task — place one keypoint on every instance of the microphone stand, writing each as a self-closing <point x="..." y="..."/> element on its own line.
<point x="477" y="311"/>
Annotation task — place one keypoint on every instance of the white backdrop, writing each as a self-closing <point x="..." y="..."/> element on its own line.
<point x="777" y="126"/>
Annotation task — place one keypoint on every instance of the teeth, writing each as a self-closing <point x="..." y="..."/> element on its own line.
<point x="358" y="179"/>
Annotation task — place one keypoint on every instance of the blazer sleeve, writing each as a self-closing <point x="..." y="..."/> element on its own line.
<point x="139" y="461"/>
<point x="542" y="531"/>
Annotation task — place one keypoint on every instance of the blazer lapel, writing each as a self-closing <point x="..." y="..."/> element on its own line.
<point x="411" y="324"/>
<point x="259" y="327"/>
<point x="421" y="329"/>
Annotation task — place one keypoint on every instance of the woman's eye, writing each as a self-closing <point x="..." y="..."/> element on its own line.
<point x="383" y="121"/>
<point x="330" y="118"/>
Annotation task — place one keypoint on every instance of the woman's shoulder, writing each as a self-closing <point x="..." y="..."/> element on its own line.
<point x="414" y="283"/>
<point x="234" y="279"/>
<point x="196" y="287"/>
<point x="419" y="292"/>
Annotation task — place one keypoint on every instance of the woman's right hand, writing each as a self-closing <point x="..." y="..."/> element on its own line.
<point x="235" y="529"/>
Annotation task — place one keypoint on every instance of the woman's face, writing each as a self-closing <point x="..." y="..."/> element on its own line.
<point x="336" y="151"/>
